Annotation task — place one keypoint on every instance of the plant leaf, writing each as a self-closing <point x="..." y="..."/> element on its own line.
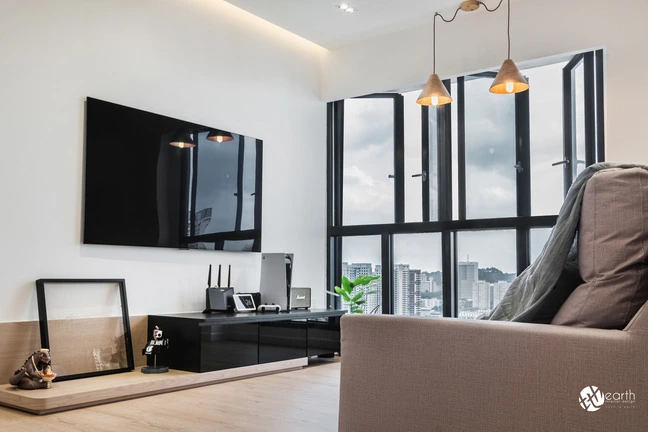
<point x="364" y="280"/>
<point x="371" y="292"/>
<point x="360" y="302"/>
<point x="346" y="284"/>
<point x="357" y="297"/>
<point x="338" y="290"/>
<point x="357" y="311"/>
<point x="345" y="296"/>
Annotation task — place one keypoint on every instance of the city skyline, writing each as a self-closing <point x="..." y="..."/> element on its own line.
<point x="419" y="293"/>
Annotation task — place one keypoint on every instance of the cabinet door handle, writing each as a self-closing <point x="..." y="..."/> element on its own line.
<point x="562" y="162"/>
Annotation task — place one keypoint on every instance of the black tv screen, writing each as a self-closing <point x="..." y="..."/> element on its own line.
<point x="156" y="181"/>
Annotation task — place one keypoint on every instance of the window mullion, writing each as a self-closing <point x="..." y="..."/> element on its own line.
<point x="461" y="147"/>
<point x="399" y="160"/>
<point x="600" y="126"/>
<point x="425" y="161"/>
<point x="387" y="266"/>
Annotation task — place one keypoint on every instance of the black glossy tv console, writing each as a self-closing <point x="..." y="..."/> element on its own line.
<point x="208" y="342"/>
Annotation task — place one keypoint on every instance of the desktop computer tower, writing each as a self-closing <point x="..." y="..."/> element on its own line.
<point x="276" y="276"/>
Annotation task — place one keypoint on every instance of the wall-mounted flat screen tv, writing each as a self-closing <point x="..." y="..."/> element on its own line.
<point x="156" y="181"/>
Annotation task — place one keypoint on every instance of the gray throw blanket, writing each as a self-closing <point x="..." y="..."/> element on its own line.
<point x="529" y="290"/>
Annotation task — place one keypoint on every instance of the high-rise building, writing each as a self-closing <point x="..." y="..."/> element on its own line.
<point x="413" y="302"/>
<point x="481" y="295"/>
<point x="401" y="288"/>
<point x="374" y="301"/>
<point x="352" y="271"/>
<point x="499" y="289"/>
<point x="468" y="276"/>
<point x="355" y="270"/>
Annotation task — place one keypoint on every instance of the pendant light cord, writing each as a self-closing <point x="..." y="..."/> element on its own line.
<point x="437" y="14"/>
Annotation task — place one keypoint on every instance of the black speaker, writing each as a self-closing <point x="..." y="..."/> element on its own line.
<point x="300" y="298"/>
<point x="219" y="300"/>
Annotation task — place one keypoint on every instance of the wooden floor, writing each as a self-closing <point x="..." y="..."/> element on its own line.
<point x="302" y="400"/>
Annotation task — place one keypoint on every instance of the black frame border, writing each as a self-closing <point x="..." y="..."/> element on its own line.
<point x="44" y="329"/>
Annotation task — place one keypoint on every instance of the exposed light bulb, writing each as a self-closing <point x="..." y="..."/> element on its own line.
<point x="343" y="6"/>
<point x="219" y="139"/>
<point x="350" y="10"/>
<point x="181" y="145"/>
<point x="509" y="87"/>
<point x="435" y="100"/>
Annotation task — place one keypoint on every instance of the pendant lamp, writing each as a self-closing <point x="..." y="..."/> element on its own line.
<point x="434" y="93"/>
<point x="509" y="79"/>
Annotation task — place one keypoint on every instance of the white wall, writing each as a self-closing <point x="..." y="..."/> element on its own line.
<point x="477" y="41"/>
<point x="156" y="55"/>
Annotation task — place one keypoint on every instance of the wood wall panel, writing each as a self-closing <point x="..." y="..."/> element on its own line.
<point x="18" y="340"/>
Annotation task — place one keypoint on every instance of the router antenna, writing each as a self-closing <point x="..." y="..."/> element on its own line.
<point x="219" y="269"/>
<point x="229" y="273"/>
<point x="209" y="277"/>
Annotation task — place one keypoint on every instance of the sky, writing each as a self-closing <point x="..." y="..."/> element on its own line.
<point x="490" y="173"/>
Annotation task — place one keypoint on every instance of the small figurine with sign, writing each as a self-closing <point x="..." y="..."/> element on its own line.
<point x="154" y="347"/>
<point x="35" y="373"/>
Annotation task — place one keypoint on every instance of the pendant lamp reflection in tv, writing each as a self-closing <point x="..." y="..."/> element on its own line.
<point x="219" y="136"/>
<point x="182" y="139"/>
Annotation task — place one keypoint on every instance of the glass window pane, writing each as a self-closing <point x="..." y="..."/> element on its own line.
<point x="546" y="127"/>
<point x="454" y="119"/>
<point x="361" y="257"/>
<point x="490" y="151"/>
<point x="579" y="118"/>
<point x="368" y="190"/>
<point x="486" y="268"/>
<point x="418" y="282"/>
<point x="537" y="239"/>
<point x="433" y="162"/>
<point x="413" y="161"/>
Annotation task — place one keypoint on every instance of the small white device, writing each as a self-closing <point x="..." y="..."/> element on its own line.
<point x="244" y="303"/>
<point x="269" y="308"/>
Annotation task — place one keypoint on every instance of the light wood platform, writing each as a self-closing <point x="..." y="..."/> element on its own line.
<point x="85" y="392"/>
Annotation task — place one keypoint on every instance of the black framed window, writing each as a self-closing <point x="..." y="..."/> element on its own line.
<point x="475" y="185"/>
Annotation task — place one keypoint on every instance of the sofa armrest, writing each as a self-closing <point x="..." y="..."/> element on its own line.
<point x="417" y="374"/>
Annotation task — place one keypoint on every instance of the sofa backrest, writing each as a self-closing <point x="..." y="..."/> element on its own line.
<point x="612" y="251"/>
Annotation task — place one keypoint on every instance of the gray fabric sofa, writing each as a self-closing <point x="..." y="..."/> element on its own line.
<point x="417" y="374"/>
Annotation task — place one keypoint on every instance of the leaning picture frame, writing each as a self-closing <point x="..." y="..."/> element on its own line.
<point x="85" y="325"/>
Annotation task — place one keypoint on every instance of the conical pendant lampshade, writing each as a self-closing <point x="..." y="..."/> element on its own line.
<point x="219" y="136"/>
<point x="509" y="79"/>
<point x="182" y="139"/>
<point x="434" y="93"/>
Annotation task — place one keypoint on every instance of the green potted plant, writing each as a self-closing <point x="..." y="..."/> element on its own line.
<point x="355" y="300"/>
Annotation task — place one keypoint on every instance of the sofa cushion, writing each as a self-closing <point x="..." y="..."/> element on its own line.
<point x="567" y="282"/>
<point x="613" y="246"/>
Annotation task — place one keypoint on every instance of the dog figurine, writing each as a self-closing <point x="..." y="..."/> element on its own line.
<point x="35" y="373"/>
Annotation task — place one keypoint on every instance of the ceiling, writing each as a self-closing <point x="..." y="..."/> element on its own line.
<point x="321" y="22"/>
